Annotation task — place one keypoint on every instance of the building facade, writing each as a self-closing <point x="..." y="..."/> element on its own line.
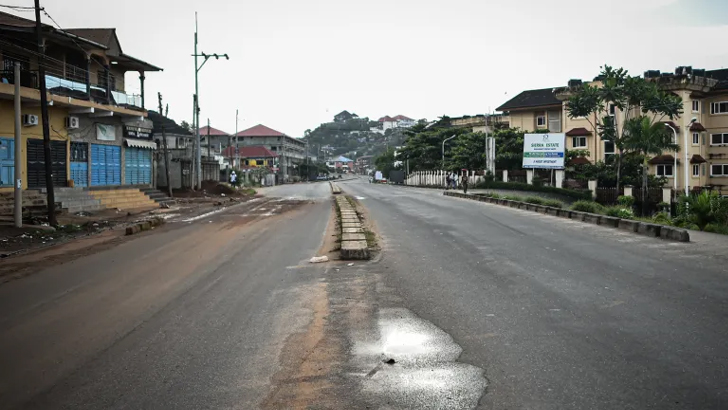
<point x="704" y="94"/>
<point x="290" y="152"/>
<point x="100" y="134"/>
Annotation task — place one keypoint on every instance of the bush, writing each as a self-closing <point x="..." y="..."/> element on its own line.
<point x="627" y="201"/>
<point x="534" y="200"/>
<point x="664" y="207"/>
<point x="586" y="206"/>
<point x="553" y="203"/>
<point x="706" y="208"/>
<point x="717" y="228"/>
<point x="619" y="212"/>
<point x="513" y="198"/>
<point x="537" y="182"/>
<point x="519" y="186"/>
<point x="662" y="218"/>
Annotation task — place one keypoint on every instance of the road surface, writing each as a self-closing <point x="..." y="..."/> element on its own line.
<point x="468" y="305"/>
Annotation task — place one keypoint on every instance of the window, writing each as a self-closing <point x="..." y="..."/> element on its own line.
<point x="696" y="170"/>
<point x="696" y="138"/>
<point x="717" y="139"/>
<point x="608" y="147"/>
<point x="578" y="142"/>
<point x="612" y="109"/>
<point x="664" y="170"/>
<point x="540" y="120"/>
<point x="719" y="170"/>
<point x="720" y="107"/>
<point x="696" y="106"/>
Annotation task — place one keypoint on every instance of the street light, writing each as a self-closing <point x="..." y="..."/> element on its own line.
<point x="443" y="149"/>
<point x="687" y="128"/>
<point x="198" y="156"/>
<point x="674" y="172"/>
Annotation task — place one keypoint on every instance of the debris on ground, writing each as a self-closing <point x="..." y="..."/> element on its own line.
<point x="319" y="259"/>
<point x="390" y="361"/>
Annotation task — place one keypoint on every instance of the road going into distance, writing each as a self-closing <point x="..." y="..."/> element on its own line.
<point x="468" y="305"/>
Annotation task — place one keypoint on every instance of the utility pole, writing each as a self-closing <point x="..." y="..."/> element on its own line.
<point x="164" y="145"/>
<point x="198" y="156"/>
<point x="51" y="199"/>
<point x="237" y="152"/>
<point x="209" y="143"/>
<point x="18" y="211"/>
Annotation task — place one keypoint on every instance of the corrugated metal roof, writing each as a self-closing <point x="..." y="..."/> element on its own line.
<point x="134" y="143"/>
<point x="260" y="130"/>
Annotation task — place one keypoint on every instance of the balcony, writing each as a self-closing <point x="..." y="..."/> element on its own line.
<point x="74" y="85"/>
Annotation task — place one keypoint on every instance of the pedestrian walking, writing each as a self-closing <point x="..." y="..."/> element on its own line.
<point x="465" y="181"/>
<point x="448" y="181"/>
<point x="454" y="180"/>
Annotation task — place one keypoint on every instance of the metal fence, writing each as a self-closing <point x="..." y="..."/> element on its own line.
<point x="608" y="196"/>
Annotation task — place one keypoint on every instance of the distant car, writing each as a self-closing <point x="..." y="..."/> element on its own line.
<point x="321" y="178"/>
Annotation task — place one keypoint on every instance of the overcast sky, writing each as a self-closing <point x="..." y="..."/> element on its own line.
<point x="295" y="63"/>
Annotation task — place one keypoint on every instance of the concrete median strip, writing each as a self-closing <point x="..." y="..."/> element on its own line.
<point x="641" y="228"/>
<point x="354" y="244"/>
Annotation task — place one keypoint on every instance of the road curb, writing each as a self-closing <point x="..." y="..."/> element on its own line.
<point x="351" y="231"/>
<point x="641" y="228"/>
<point x="144" y="226"/>
<point x="334" y="188"/>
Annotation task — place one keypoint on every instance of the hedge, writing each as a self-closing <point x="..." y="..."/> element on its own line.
<point x="584" y="194"/>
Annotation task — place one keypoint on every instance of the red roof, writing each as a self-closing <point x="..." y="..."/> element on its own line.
<point x="386" y="118"/>
<point x="402" y="117"/>
<point x="697" y="127"/>
<point x="249" y="152"/>
<point x="260" y="130"/>
<point x="662" y="159"/>
<point x="578" y="132"/>
<point x="579" y="161"/>
<point x="697" y="159"/>
<point x="213" y="132"/>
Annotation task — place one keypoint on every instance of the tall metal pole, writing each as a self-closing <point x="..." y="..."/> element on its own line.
<point x="164" y="146"/>
<point x="193" y="172"/>
<point x="18" y="152"/>
<point x="236" y="136"/>
<point x="209" y="143"/>
<point x="51" y="199"/>
<point x="198" y="155"/>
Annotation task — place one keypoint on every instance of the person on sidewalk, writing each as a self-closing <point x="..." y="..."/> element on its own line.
<point x="464" y="181"/>
<point x="448" y="181"/>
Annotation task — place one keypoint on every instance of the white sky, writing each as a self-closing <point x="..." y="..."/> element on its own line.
<point x="295" y="63"/>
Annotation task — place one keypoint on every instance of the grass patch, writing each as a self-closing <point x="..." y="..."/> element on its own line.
<point x="587" y="206"/>
<point x="518" y="186"/>
<point x="553" y="203"/>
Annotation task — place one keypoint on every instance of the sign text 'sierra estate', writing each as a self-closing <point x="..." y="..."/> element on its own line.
<point x="544" y="151"/>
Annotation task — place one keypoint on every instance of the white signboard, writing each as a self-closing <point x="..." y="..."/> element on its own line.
<point x="105" y="132"/>
<point x="544" y="151"/>
<point x="378" y="176"/>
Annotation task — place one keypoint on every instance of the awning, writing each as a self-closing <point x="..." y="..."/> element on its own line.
<point x="578" y="132"/>
<point x="697" y="127"/>
<point x="673" y="125"/>
<point x="663" y="159"/>
<point x="140" y="143"/>
<point x="579" y="161"/>
<point x="697" y="159"/>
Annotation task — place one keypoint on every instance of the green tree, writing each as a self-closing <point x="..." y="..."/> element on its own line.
<point x="468" y="152"/>
<point x="647" y="138"/>
<point x="186" y="125"/>
<point x="629" y="96"/>
<point x="385" y="162"/>
<point x="508" y="148"/>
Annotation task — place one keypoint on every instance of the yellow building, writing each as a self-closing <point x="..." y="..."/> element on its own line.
<point x="100" y="134"/>
<point x="705" y="98"/>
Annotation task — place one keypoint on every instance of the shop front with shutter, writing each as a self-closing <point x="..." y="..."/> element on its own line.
<point x="36" y="163"/>
<point x="105" y="165"/>
<point x="79" y="164"/>
<point x="138" y="156"/>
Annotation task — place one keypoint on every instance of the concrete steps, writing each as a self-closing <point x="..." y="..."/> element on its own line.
<point x="123" y="198"/>
<point x="75" y="200"/>
<point x="32" y="199"/>
<point x="158" y="196"/>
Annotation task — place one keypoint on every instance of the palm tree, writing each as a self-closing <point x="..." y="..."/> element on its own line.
<point x="648" y="138"/>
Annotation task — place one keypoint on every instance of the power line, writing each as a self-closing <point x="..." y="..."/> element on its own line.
<point x="18" y="8"/>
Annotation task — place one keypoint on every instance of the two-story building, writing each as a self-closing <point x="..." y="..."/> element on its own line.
<point x="100" y="134"/>
<point x="212" y="139"/>
<point x="289" y="151"/>
<point x="250" y="157"/>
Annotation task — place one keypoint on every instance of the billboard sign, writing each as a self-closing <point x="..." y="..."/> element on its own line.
<point x="544" y="151"/>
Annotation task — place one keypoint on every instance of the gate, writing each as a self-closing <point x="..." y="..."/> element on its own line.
<point x="138" y="166"/>
<point x="36" y="163"/>
<point x="79" y="164"/>
<point x="105" y="165"/>
<point x="7" y="161"/>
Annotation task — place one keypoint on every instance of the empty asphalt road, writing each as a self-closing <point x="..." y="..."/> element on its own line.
<point x="560" y="314"/>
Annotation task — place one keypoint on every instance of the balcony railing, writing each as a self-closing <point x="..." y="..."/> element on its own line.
<point x="68" y="86"/>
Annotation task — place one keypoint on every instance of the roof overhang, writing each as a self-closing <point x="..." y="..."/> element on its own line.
<point x="135" y="143"/>
<point x="134" y="63"/>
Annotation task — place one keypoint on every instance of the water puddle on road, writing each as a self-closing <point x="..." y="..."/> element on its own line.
<point x="408" y="362"/>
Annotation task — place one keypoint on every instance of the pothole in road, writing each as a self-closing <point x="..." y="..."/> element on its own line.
<point x="424" y="374"/>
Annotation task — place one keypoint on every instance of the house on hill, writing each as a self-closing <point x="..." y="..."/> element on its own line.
<point x="344" y="116"/>
<point x="398" y="121"/>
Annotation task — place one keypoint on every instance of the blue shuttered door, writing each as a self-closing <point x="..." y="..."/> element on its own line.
<point x="7" y="161"/>
<point x="138" y="166"/>
<point x="79" y="164"/>
<point x="105" y="165"/>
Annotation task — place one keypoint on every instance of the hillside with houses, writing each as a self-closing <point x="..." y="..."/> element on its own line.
<point x="353" y="136"/>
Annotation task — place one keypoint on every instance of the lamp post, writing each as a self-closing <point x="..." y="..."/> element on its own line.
<point x="674" y="172"/>
<point x="443" y="149"/>
<point x="198" y="154"/>
<point x="687" y="129"/>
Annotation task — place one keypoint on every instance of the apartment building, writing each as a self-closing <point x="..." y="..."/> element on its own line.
<point x="705" y="97"/>
<point x="289" y="151"/>
<point x="100" y="134"/>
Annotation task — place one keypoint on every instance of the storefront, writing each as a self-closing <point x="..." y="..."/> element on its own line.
<point x="138" y="155"/>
